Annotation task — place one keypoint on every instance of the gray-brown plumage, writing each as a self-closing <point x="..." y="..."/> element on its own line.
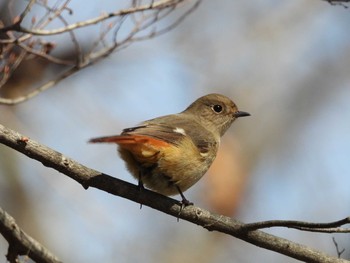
<point x="169" y="154"/>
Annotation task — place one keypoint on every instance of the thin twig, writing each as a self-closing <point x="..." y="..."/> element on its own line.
<point x="171" y="26"/>
<point x="12" y="67"/>
<point x="339" y="252"/>
<point x="41" y="32"/>
<point x="46" y="56"/>
<point x="42" y="88"/>
<point x="58" y="14"/>
<point x="151" y="14"/>
<point x="331" y="227"/>
<point x="26" y="10"/>
<point x="338" y="2"/>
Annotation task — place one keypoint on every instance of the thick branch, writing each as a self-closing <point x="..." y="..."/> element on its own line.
<point x="213" y="222"/>
<point x="21" y="243"/>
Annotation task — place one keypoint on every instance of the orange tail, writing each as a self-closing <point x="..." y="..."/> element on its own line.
<point x="129" y="139"/>
<point x="113" y="139"/>
<point x="144" y="148"/>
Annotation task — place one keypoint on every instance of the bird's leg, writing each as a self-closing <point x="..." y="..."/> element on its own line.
<point x="185" y="202"/>
<point x="141" y="187"/>
<point x="140" y="184"/>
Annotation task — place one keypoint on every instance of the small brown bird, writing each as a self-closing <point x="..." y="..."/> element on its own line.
<point x="169" y="154"/>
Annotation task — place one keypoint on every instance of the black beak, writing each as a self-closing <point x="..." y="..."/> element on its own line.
<point x="239" y="114"/>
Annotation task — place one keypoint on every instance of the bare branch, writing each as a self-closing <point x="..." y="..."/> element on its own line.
<point x="339" y="252"/>
<point x="21" y="243"/>
<point x="40" y="89"/>
<point x="213" y="222"/>
<point x="338" y="2"/>
<point x="15" y="62"/>
<point x="155" y="5"/>
<point x="45" y="56"/>
<point x="140" y="18"/>
<point x="331" y="227"/>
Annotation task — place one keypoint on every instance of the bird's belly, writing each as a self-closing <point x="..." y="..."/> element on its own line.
<point x="177" y="170"/>
<point x="169" y="169"/>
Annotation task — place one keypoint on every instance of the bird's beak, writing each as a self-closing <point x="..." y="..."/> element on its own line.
<point x="239" y="114"/>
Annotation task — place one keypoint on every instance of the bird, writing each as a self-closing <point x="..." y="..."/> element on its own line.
<point x="169" y="154"/>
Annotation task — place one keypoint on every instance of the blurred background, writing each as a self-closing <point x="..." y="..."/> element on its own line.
<point x="287" y="63"/>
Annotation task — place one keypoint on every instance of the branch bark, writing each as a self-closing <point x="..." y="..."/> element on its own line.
<point x="21" y="243"/>
<point x="213" y="222"/>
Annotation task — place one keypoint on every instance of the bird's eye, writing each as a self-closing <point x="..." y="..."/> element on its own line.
<point x="217" y="108"/>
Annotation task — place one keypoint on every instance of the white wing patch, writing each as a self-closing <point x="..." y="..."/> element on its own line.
<point x="180" y="130"/>
<point x="205" y="154"/>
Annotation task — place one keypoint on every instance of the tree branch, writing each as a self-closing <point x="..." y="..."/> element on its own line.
<point x="43" y="87"/>
<point x="338" y="2"/>
<point x="21" y="243"/>
<point x="330" y="227"/>
<point x="142" y="21"/>
<point x="161" y="4"/>
<point x="339" y="252"/>
<point x="213" y="222"/>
